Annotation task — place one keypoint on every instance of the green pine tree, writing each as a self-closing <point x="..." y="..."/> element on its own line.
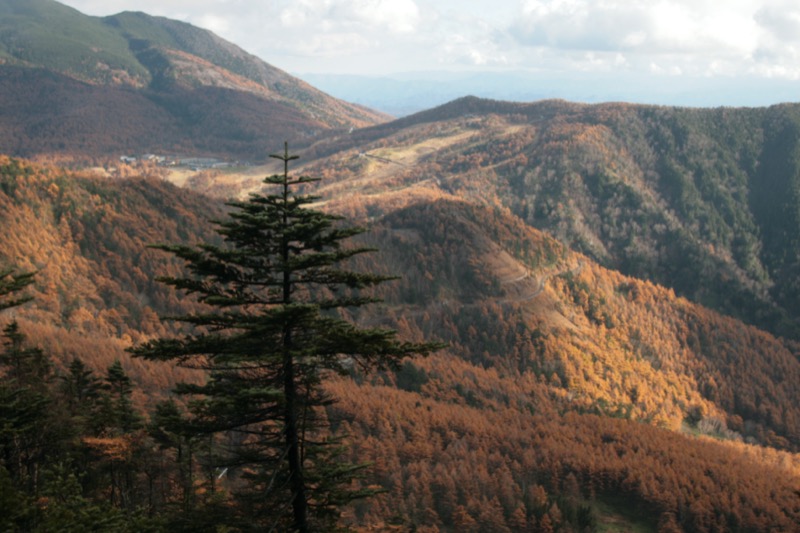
<point x="27" y="366"/>
<point x="117" y="403"/>
<point x="118" y="450"/>
<point x="171" y="431"/>
<point x="10" y="284"/>
<point x="29" y="430"/>
<point x="63" y="507"/>
<point x="272" y="334"/>
<point x="80" y="392"/>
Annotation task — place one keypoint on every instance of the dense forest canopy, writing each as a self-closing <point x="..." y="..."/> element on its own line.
<point x="700" y="200"/>
<point x="564" y="386"/>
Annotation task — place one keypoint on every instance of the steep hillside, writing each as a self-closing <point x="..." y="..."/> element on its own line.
<point x="87" y="240"/>
<point x="565" y="386"/>
<point x="44" y="113"/>
<point x="701" y="200"/>
<point x="50" y="35"/>
<point x="510" y="298"/>
<point x="128" y="74"/>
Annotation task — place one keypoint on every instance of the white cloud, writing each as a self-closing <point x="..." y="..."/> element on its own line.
<point x="395" y="16"/>
<point x="663" y="26"/>
<point x="696" y="37"/>
<point x="780" y="21"/>
<point x="399" y="16"/>
<point x="334" y="44"/>
<point x="295" y="16"/>
<point x="461" y="49"/>
<point x="215" y="23"/>
<point x="309" y="31"/>
<point x="777" y="54"/>
<point x="691" y="37"/>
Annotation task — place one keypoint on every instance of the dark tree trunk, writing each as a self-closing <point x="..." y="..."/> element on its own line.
<point x="297" y="483"/>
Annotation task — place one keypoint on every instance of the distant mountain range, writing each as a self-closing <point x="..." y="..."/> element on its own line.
<point x="133" y="83"/>
<point x="403" y="94"/>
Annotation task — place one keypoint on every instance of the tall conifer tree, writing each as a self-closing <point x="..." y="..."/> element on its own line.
<point x="271" y="335"/>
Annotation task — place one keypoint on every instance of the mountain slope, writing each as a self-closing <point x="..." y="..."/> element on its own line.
<point x="504" y="295"/>
<point x="50" y="35"/>
<point x="701" y="200"/>
<point x="196" y="92"/>
<point x="568" y="382"/>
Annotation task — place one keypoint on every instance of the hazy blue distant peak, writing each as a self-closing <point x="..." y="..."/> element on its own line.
<point x="408" y="92"/>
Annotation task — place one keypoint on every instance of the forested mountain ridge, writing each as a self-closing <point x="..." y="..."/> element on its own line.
<point x="556" y="371"/>
<point x="701" y="200"/>
<point x="77" y="85"/>
<point x="87" y="239"/>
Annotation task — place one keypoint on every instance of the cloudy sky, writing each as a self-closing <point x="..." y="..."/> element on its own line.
<point x="668" y="39"/>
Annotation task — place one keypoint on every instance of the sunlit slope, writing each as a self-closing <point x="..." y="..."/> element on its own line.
<point x="700" y="200"/>
<point x="562" y="379"/>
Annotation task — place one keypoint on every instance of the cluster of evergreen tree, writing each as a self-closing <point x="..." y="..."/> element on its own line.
<point x="57" y="435"/>
<point x="251" y="448"/>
